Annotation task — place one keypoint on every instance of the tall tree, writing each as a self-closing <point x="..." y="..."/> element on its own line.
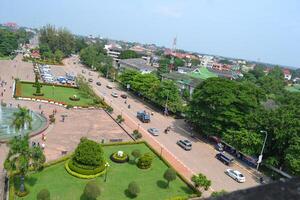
<point x="219" y="104"/>
<point x="22" y="118"/>
<point x="21" y="156"/>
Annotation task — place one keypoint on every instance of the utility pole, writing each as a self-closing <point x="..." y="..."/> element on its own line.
<point x="262" y="150"/>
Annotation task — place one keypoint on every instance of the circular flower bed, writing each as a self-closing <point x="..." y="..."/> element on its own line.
<point x="74" y="98"/>
<point x="84" y="172"/>
<point x="119" y="157"/>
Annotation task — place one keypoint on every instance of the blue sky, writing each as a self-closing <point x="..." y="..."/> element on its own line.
<point x="268" y="30"/>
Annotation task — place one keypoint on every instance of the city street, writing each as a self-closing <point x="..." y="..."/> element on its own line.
<point x="200" y="159"/>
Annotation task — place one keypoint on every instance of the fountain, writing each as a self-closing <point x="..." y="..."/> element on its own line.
<point x="7" y="130"/>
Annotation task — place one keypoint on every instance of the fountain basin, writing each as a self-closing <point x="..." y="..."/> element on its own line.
<point x="8" y="131"/>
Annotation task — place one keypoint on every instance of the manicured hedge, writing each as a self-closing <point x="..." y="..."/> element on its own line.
<point x="77" y="175"/>
<point x="82" y="171"/>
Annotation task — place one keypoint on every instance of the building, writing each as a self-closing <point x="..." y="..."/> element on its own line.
<point x="113" y="50"/>
<point x="287" y="74"/>
<point x="183" y="81"/>
<point x="138" y="64"/>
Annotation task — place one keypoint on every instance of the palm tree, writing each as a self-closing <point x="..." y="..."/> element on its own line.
<point x="21" y="118"/>
<point x="21" y="156"/>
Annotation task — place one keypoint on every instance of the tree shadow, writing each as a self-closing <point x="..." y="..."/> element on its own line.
<point x="162" y="184"/>
<point x="31" y="180"/>
<point x="83" y="197"/>
<point x="128" y="194"/>
<point x="132" y="162"/>
<point x="186" y="189"/>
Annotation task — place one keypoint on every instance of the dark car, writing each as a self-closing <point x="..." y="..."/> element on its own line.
<point x="98" y="83"/>
<point x="124" y="96"/>
<point x="185" y="144"/>
<point x="90" y="80"/>
<point x="225" y="158"/>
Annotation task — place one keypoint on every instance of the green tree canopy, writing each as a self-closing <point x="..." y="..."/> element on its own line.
<point x="126" y="54"/>
<point x="88" y="153"/>
<point x="219" y="104"/>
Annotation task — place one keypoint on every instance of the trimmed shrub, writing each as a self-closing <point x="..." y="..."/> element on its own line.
<point x="137" y="135"/>
<point x="169" y="175"/>
<point x="77" y="175"/>
<point x="85" y="171"/>
<point x="44" y="194"/>
<point x="91" y="191"/>
<point x="88" y="152"/>
<point x="202" y="181"/>
<point x="219" y="193"/>
<point x="114" y="157"/>
<point x="145" y="161"/>
<point x="133" y="188"/>
<point x="136" y="153"/>
<point x="120" y="119"/>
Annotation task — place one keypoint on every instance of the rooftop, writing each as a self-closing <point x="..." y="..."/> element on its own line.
<point x="137" y="63"/>
<point x="183" y="78"/>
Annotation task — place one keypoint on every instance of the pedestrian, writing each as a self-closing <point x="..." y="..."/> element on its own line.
<point x="125" y="101"/>
<point x="2" y="94"/>
<point x="43" y="145"/>
<point x="40" y="106"/>
<point x="4" y="89"/>
<point x="42" y="112"/>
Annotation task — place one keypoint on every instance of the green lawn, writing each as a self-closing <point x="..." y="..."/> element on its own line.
<point x="6" y="57"/>
<point x="60" y="94"/>
<point x="203" y="74"/>
<point x="63" y="186"/>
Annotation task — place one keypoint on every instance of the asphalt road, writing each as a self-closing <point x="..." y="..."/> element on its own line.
<point x="201" y="159"/>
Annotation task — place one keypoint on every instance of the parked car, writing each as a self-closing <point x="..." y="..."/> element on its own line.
<point x="90" y="80"/>
<point x="109" y="86"/>
<point x="114" y="94"/>
<point x="153" y="131"/>
<point x="98" y="83"/>
<point x="225" y="158"/>
<point x="124" y="96"/>
<point x="83" y="71"/>
<point x="236" y="175"/>
<point x="219" y="147"/>
<point x="185" y="144"/>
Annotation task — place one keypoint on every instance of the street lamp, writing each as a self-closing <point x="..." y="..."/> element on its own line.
<point x="106" y="168"/>
<point x="262" y="150"/>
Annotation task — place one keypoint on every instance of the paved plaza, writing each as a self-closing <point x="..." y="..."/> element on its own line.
<point x="61" y="136"/>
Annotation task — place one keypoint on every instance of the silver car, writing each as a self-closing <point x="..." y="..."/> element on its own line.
<point x="153" y="131"/>
<point x="236" y="175"/>
<point x="185" y="144"/>
<point x="114" y="94"/>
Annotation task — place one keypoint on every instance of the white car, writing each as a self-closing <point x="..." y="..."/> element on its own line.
<point x="236" y="175"/>
<point x="153" y="131"/>
<point x="114" y="94"/>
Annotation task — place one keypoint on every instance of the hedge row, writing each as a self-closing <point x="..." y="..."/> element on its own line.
<point x="50" y="84"/>
<point x="77" y="175"/>
<point x="83" y="171"/>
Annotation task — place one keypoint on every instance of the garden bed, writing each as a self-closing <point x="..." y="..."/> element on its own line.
<point x="152" y="184"/>
<point x="57" y="93"/>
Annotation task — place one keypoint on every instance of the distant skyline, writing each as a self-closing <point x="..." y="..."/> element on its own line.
<point x="268" y="30"/>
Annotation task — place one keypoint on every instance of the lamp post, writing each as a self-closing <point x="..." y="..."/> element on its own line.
<point x="106" y="168"/>
<point x="262" y="150"/>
